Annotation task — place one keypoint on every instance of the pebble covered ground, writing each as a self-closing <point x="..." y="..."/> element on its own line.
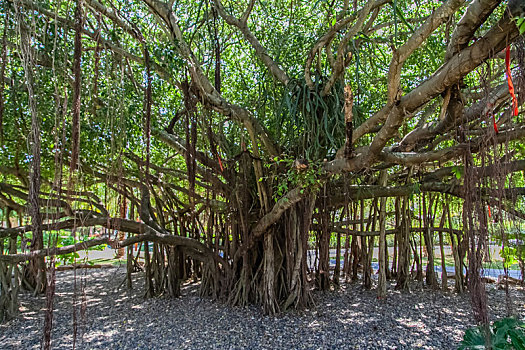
<point x="349" y="318"/>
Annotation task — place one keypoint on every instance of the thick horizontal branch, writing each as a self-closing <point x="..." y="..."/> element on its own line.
<point x="79" y="221"/>
<point x="420" y="136"/>
<point x="445" y="154"/>
<point x="143" y="233"/>
<point x="488" y="171"/>
<point x="450" y="73"/>
<point x="337" y="197"/>
<point x="18" y="258"/>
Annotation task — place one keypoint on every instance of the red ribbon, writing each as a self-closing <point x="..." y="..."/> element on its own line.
<point x="494" y="121"/>
<point x="220" y="162"/>
<point x="509" y="81"/>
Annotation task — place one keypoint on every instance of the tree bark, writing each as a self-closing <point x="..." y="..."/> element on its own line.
<point x="429" y="242"/>
<point x="403" y="264"/>
<point x="383" y="249"/>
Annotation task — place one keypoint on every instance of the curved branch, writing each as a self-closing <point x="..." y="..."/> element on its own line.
<point x="437" y="18"/>
<point x="143" y="231"/>
<point x="488" y="171"/>
<point x="285" y="203"/>
<point x="412" y="158"/>
<point x="327" y="38"/>
<point x="447" y="75"/>
<point x="208" y="95"/>
<point x="427" y="132"/>
<point x="260" y="50"/>
<point x="477" y="12"/>
<point x="341" y="49"/>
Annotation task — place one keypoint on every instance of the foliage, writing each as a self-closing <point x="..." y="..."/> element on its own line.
<point x="520" y="22"/>
<point x="307" y="177"/>
<point x="513" y="247"/>
<point x="64" y="238"/>
<point x="313" y="124"/>
<point x="508" y="333"/>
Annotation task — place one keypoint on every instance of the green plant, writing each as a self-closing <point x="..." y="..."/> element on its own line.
<point x="508" y="333"/>
<point x="513" y="250"/>
<point x="520" y="23"/>
<point x="308" y="177"/>
<point x="64" y="238"/>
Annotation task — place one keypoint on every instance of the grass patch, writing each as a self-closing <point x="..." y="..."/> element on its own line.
<point x="110" y="261"/>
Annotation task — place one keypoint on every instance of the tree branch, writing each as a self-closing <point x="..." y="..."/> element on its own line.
<point x="144" y="233"/>
<point x="260" y="50"/>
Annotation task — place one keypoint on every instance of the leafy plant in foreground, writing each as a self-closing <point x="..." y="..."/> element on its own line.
<point x="508" y="333"/>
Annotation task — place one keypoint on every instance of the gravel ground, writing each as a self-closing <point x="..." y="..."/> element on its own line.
<point x="349" y="318"/>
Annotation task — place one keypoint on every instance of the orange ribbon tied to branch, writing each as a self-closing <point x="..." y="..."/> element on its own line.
<point x="509" y="82"/>
<point x="220" y="162"/>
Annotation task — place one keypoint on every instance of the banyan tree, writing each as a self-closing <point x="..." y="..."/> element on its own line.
<point x="236" y="142"/>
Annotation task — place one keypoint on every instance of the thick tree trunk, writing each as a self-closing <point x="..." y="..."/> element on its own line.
<point x="383" y="249"/>
<point x="403" y="264"/>
<point x="129" y="256"/>
<point x="129" y="266"/>
<point x="173" y="282"/>
<point x="347" y="265"/>
<point x="394" y="258"/>
<point x="337" y="269"/>
<point x="387" y="263"/>
<point x="458" y="265"/>
<point x="369" y="245"/>
<point x="323" y="273"/>
<point x="356" y="254"/>
<point x="9" y="279"/>
<point x="270" y="305"/>
<point x="297" y="223"/>
<point x="444" y="275"/>
<point x="158" y="268"/>
<point x="428" y="222"/>
<point x="122" y="234"/>
<point x="148" y="282"/>
<point x="430" y="272"/>
<point x="367" y="269"/>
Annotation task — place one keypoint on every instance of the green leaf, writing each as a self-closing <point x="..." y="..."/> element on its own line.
<point x="473" y="339"/>
<point x="520" y="23"/>
<point x="457" y="171"/>
<point x="517" y="338"/>
<point x="507" y="333"/>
